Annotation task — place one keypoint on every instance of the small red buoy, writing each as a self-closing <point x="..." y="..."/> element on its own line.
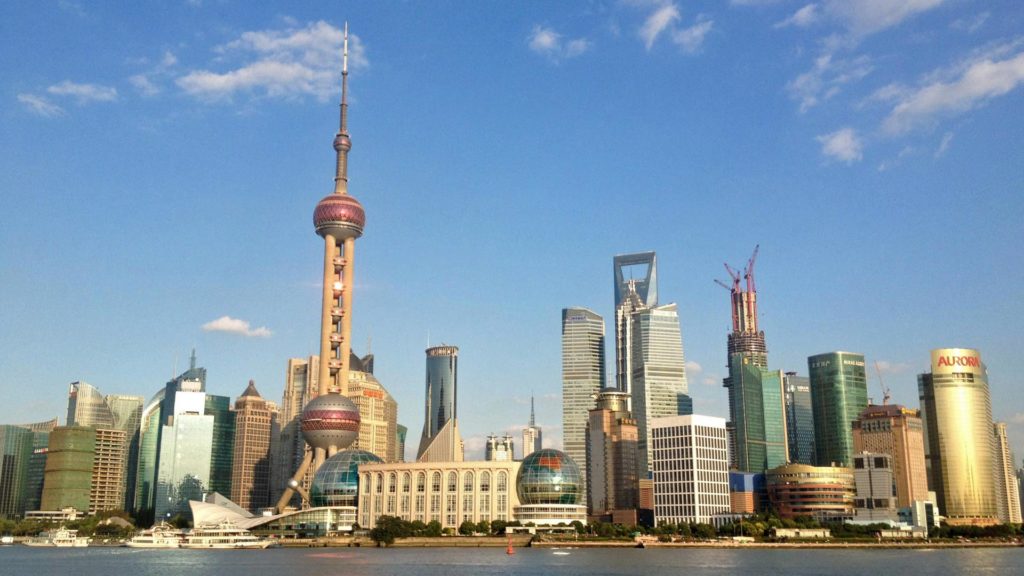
<point x="510" y="551"/>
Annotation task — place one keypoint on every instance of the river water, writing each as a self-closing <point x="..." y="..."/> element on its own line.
<point x="25" y="561"/>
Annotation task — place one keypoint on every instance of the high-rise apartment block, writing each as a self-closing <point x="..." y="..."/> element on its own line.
<point x="378" y="411"/>
<point x="757" y="408"/>
<point x="1007" y="491"/>
<point x="899" y="433"/>
<point x="256" y="431"/>
<point x="691" y="468"/>
<point x="441" y="441"/>
<point x="959" y="443"/>
<point x="300" y="386"/>
<point x="612" y="466"/>
<point x="799" y="418"/>
<point x="583" y="376"/>
<point x="838" y="395"/>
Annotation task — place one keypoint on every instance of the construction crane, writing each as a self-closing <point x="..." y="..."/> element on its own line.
<point x="886" y="395"/>
<point x="748" y="273"/>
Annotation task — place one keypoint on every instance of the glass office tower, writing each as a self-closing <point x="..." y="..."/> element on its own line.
<point x="583" y="376"/>
<point x="799" y="418"/>
<point x="839" y="394"/>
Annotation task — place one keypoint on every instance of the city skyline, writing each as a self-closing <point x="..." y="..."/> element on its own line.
<point x="848" y="178"/>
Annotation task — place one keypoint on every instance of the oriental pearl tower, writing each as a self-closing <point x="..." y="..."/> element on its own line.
<point x="330" y="422"/>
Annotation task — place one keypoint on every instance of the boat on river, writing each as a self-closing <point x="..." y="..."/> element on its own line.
<point x="60" y="538"/>
<point x="223" y="535"/>
<point x="162" y="535"/>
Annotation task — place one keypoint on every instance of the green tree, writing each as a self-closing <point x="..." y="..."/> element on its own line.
<point x="467" y="528"/>
<point x="389" y="528"/>
<point x="498" y="527"/>
<point x="684" y="530"/>
<point x="433" y="529"/>
<point x="704" y="531"/>
<point x="580" y="528"/>
<point x="483" y="527"/>
<point x="417" y="527"/>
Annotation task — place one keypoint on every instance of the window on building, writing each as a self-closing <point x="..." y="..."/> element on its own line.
<point x="453" y="481"/>
<point x="421" y="482"/>
<point x="502" y="482"/>
<point x="467" y="482"/>
<point x="435" y="482"/>
<point x="485" y="482"/>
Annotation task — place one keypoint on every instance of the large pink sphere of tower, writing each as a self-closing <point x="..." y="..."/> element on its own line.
<point x="330" y="421"/>
<point x="339" y="215"/>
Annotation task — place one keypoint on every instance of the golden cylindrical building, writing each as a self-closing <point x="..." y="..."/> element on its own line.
<point x="959" y="444"/>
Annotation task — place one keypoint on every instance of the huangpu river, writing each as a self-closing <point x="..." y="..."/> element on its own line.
<point x="25" y="561"/>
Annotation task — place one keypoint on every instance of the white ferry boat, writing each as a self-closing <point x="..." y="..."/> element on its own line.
<point x="61" y="538"/>
<point x="225" y="535"/>
<point x="162" y="535"/>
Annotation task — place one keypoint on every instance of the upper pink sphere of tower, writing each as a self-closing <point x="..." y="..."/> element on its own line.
<point x="340" y="216"/>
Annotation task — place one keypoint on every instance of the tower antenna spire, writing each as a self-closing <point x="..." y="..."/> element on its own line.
<point x="533" y="419"/>
<point x="342" y="142"/>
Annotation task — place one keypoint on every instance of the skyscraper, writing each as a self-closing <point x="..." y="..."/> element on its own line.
<point x="799" y="418"/>
<point x="378" y="410"/>
<point x="185" y="451"/>
<point x="127" y="413"/>
<point x="636" y="288"/>
<point x="440" y="441"/>
<point x="69" y="465"/>
<point x="898" y="432"/>
<point x="255" y="432"/>
<point x="839" y="394"/>
<point x="658" y="373"/>
<point x="959" y="443"/>
<point x="532" y="435"/>
<point x="87" y="407"/>
<point x="583" y="376"/>
<point x="1007" y="491"/>
<point x="691" y="474"/>
<point x="612" y="467"/>
<point x="33" y="492"/>
<point x="15" y="452"/>
<point x="330" y="422"/>
<point x="757" y="411"/>
<point x="222" y="449"/>
<point x="301" y="385"/>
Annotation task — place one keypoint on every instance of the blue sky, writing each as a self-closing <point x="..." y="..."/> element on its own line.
<point x="161" y="164"/>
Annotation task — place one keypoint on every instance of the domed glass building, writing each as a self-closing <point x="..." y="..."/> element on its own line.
<point x="550" y="490"/>
<point x="336" y="483"/>
<point x="549" y="476"/>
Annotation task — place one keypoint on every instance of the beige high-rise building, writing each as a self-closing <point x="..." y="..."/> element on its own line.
<point x="300" y="386"/>
<point x="1007" y="491"/>
<point x="378" y="412"/>
<point x="108" y="467"/>
<point x="255" y="430"/>
<point x="612" y="467"/>
<point x="959" y="443"/>
<point x="898" y="432"/>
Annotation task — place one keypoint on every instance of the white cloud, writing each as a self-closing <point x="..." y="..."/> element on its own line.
<point x="658" y="22"/>
<point x="947" y="139"/>
<point x="802" y="18"/>
<point x="144" y="85"/>
<point x="84" y="93"/>
<point x="864" y="17"/>
<point x="287" y="63"/>
<point x="547" y="42"/>
<point x="711" y="381"/>
<point x="690" y="39"/>
<point x="826" y="78"/>
<point x="1017" y="418"/>
<point x="882" y="167"/>
<point x="236" y="326"/>
<point x="888" y="367"/>
<point x="843" y="145"/>
<point x="981" y="81"/>
<point x="970" y="25"/>
<point x="693" y="367"/>
<point x="40" y="105"/>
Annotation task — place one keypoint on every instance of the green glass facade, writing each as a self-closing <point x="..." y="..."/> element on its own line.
<point x="68" y="477"/>
<point x="758" y="413"/>
<point x="222" y="455"/>
<point x="838" y="395"/>
<point x="15" y="452"/>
